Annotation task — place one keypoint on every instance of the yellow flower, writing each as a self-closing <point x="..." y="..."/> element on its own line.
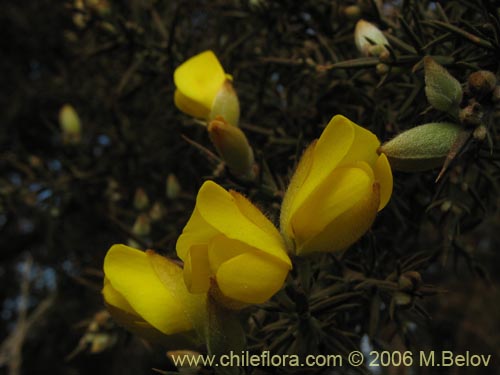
<point x="230" y="248"/>
<point x="145" y="293"/>
<point x="204" y="90"/>
<point x="339" y="186"/>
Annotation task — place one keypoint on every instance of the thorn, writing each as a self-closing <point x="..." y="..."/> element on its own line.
<point x="457" y="146"/>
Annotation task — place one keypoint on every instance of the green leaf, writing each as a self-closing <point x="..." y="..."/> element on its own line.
<point x="362" y="62"/>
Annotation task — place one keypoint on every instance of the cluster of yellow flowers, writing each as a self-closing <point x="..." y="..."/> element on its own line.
<point x="231" y="251"/>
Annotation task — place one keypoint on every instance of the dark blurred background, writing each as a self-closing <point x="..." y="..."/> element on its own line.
<point x="133" y="175"/>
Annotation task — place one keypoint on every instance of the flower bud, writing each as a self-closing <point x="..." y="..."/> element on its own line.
<point x="173" y="188"/>
<point x="226" y="104"/>
<point x="382" y="69"/>
<point x="385" y="56"/>
<point x="70" y="125"/>
<point x="352" y="12"/>
<point x="481" y="83"/>
<point x="113" y="191"/>
<point x="402" y="299"/>
<point x="141" y="199"/>
<point x="35" y="162"/>
<point x="100" y="7"/>
<point x="232" y="145"/>
<point x="258" y="4"/>
<point x="471" y="115"/>
<point x="442" y="89"/>
<point x="369" y="40"/>
<point x="480" y="133"/>
<point x="81" y="16"/>
<point x="421" y="148"/>
<point x="446" y="206"/>
<point x="142" y="226"/>
<point x="409" y="281"/>
<point x="157" y="212"/>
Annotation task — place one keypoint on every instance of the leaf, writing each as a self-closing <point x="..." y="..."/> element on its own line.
<point x="362" y="62"/>
<point x="401" y="44"/>
<point x="458" y="31"/>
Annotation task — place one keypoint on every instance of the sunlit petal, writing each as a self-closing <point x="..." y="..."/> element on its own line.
<point x="200" y="78"/>
<point x="251" y="278"/>
<point x="383" y="175"/>
<point x="130" y="273"/>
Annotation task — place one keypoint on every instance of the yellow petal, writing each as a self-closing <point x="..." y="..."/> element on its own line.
<point x="363" y="148"/>
<point x="171" y="275"/>
<point x="255" y="215"/>
<point x="124" y="315"/>
<point x="219" y="208"/>
<point x="341" y="191"/>
<point x="383" y="175"/>
<point x="130" y="273"/>
<point x="196" y="269"/>
<point x="136" y="326"/>
<point x="346" y="228"/>
<point x="298" y="178"/>
<point x="190" y="106"/>
<point x="221" y="249"/>
<point x="330" y="149"/>
<point x="237" y="279"/>
<point x="196" y="232"/>
<point x="113" y="298"/>
<point x="200" y="78"/>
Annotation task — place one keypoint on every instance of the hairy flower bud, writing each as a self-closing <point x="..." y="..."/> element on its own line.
<point x="226" y="104"/>
<point x="421" y="148"/>
<point x="442" y="89"/>
<point x="481" y="83"/>
<point x="232" y="145"/>
<point x="141" y="199"/>
<point x="173" y="187"/>
<point x="157" y="212"/>
<point x="142" y="226"/>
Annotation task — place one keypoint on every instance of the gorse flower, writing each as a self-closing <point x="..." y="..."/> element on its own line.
<point x="231" y="249"/>
<point x="145" y="293"/>
<point x="204" y="90"/>
<point x="339" y="185"/>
